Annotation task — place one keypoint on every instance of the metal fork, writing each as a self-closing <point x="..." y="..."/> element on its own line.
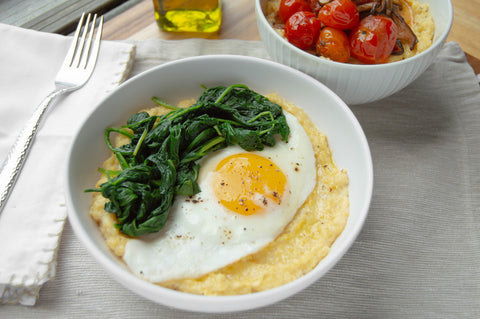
<point x="74" y="73"/>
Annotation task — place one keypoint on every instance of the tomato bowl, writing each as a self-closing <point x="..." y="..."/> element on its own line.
<point x="358" y="83"/>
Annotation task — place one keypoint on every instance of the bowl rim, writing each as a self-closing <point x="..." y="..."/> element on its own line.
<point x="438" y="42"/>
<point x="218" y="304"/>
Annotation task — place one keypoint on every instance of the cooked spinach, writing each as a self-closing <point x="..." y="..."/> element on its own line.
<point x="160" y="160"/>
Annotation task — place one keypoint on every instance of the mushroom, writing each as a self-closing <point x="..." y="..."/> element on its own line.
<point x="364" y="6"/>
<point x="405" y="33"/>
<point x="388" y="4"/>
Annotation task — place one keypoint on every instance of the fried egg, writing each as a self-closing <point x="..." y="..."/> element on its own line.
<point x="246" y="200"/>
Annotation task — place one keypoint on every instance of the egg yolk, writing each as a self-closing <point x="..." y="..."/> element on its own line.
<point x="247" y="183"/>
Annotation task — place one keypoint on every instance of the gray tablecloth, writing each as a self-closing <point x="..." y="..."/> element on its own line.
<point x="419" y="253"/>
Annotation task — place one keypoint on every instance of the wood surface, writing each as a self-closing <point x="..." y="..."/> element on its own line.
<point x="466" y="29"/>
<point x="139" y="23"/>
<point x="57" y="16"/>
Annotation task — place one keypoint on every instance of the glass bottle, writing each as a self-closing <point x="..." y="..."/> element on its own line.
<point x="188" y="15"/>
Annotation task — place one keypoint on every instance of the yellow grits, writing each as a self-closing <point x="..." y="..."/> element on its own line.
<point x="303" y="244"/>
<point x="416" y="14"/>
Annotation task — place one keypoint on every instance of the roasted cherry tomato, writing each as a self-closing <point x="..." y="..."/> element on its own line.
<point x="339" y="14"/>
<point x="333" y="44"/>
<point x="302" y="29"/>
<point x="289" y="7"/>
<point x="374" y="39"/>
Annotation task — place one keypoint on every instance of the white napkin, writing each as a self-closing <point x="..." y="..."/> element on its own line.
<point x="33" y="219"/>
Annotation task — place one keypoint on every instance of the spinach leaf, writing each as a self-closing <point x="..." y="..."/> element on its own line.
<point x="160" y="160"/>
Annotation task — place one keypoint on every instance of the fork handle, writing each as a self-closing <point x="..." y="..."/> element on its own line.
<point x="13" y="164"/>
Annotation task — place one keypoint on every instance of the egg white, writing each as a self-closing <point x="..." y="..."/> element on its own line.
<point x="201" y="235"/>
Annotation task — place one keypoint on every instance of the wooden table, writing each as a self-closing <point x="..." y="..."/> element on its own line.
<point x="139" y="23"/>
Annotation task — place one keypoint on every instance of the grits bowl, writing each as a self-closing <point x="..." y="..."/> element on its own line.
<point x="182" y="79"/>
<point x="358" y="83"/>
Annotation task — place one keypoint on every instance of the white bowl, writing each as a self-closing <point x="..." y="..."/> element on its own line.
<point x="182" y="79"/>
<point x="357" y="84"/>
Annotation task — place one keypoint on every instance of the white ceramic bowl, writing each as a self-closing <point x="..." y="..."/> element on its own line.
<point x="183" y="79"/>
<point x="357" y="84"/>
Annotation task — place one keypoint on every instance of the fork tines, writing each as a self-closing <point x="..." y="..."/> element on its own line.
<point x="79" y="51"/>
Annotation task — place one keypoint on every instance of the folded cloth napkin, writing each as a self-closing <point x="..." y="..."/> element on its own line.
<point x="33" y="219"/>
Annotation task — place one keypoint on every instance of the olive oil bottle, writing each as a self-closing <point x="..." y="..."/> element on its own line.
<point x="188" y="15"/>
